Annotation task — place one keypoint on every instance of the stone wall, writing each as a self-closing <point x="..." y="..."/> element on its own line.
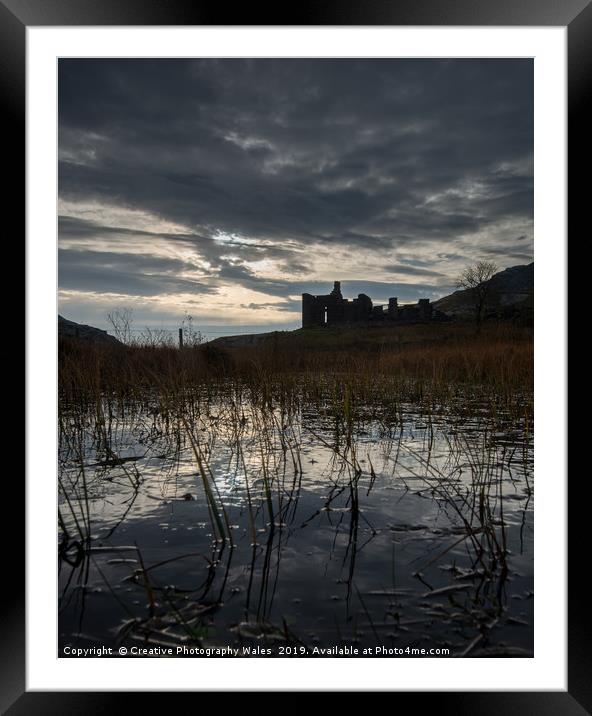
<point x="332" y="309"/>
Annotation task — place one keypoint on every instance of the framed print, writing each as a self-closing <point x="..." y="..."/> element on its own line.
<point x="292" y="370"/>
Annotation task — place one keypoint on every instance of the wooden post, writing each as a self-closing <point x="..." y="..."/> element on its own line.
<point x="180" y="338"/>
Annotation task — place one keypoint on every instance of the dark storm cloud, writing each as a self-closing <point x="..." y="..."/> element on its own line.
<point x="287" y="306"/>
<point x="150" y="275"/>
<point x="412" y="271"/>
<point x="288" y="154"/>
<point x="108" y="272"/>
<point x="519" y="256"/>
<point x="378" y="290"/>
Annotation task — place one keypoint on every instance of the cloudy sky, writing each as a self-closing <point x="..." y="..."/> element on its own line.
<point x="226" y="188"/>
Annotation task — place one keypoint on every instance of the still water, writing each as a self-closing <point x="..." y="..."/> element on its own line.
<point x="237" y="530"/>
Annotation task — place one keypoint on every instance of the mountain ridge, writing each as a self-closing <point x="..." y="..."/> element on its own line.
<point x="510" y="295"/>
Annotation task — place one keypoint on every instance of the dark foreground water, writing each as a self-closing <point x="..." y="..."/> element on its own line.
<point x="340" y="536"/>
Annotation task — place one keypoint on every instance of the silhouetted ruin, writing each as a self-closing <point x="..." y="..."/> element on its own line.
<point x="333" y="309"/>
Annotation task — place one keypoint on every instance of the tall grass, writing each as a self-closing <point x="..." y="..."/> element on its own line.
<point x="264" y="402"/>
<point x="441" y="365"/>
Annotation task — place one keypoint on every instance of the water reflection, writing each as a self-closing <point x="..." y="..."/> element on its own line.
<point x="237" y="524"/>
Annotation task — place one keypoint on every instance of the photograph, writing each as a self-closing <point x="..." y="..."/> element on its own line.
<point x="295" y="357"/>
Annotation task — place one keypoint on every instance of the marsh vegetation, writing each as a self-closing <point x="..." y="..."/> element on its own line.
<point x="353" y="490"/>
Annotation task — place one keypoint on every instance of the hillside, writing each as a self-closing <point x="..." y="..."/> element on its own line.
<point x="366" y="340"/>
<point x="511" y="295"/>
<point x="80" y="331"/>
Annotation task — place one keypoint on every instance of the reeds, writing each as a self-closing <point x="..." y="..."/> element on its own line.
<point x="450" y="368"/>
<point x="262" y="406"/>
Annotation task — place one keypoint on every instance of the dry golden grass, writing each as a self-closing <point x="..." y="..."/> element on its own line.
<point x="437" y="366"/>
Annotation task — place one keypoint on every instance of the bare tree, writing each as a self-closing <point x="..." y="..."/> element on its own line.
<point x="122" y="321"/>
<point x="476" y="280"/>
<point x="191" y="336"/>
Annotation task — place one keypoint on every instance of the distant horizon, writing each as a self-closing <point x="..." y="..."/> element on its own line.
<point x="321" y="287"/>
<point x="226" y="188"/>
<point x="212" y="331"/>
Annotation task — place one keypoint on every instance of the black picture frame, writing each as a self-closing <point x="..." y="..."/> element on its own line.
<point x="576" y="15"/>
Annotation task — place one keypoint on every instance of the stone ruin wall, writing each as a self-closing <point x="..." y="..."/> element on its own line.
<point x="332" y="309"/>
